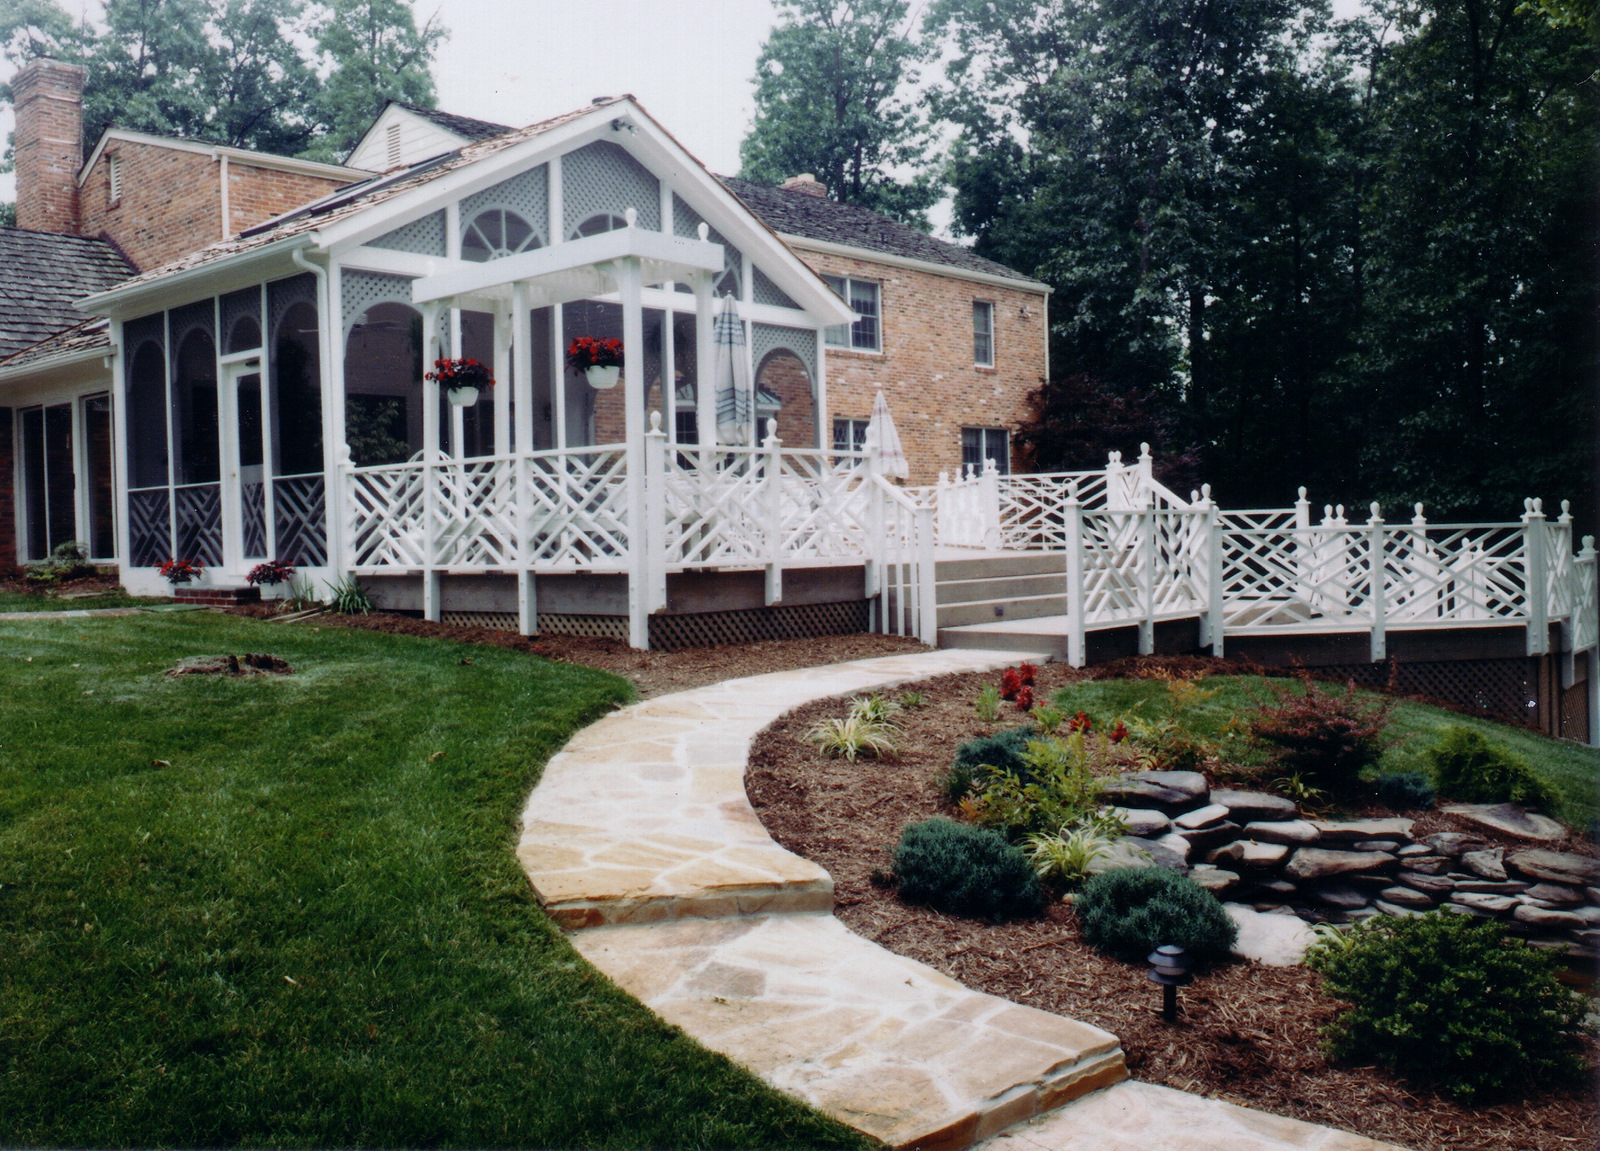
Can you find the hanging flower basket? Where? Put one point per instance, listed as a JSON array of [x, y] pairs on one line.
[[600, 361], [461, 379]]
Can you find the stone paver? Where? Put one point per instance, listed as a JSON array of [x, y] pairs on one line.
[[640, 835], [643, 816], [884, 1043], [1144, 1117]]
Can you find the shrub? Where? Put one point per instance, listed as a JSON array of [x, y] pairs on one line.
[[1449, 999], [965, 871], [1066, 856], [69, 561], [1405, 790], [987, 704], [853, 736], [913, 700], [349, 597], [875, 708], [1002, 750], [1325, 738], [1470, 768], [271, 572], [1130, 911]]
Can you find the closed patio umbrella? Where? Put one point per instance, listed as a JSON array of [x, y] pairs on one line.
[[735, 399], [884, 441]]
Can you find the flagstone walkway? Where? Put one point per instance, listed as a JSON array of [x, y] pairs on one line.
[[640, 840]]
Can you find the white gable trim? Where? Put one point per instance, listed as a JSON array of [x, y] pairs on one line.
[[653, 147]]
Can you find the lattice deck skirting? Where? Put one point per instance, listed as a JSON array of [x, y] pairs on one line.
[[702, 629], [1503, 689]]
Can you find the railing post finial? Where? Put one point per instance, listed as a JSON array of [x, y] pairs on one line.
[[1566, 512], [1419, 520]]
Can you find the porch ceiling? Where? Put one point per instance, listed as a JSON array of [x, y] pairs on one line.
[[574, 270]]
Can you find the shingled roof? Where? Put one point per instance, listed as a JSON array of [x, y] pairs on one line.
[[801, 214], [41, 275], [464, 126]]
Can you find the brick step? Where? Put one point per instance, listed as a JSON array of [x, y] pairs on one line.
[[218, 596]]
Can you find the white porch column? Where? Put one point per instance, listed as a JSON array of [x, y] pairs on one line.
[[629, 285], [502, 383], [431, 608], [119, 449], [522, 380], [705, 354]]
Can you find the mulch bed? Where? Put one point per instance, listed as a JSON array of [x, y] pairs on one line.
[[653, 673], [1248, 1033]]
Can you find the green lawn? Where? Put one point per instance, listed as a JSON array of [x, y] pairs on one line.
[[22, 601], [286, 912], [1222, 716]]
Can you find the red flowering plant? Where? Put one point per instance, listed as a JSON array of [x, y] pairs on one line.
[[271, 572], [1118, 733], [586, 352], [467, 373], [1080, 722], [1028, 673], [1010, 683], [176, 571], [1025, 698]]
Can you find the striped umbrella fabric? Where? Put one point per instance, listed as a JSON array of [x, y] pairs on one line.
[[884, 440], [735, 397]]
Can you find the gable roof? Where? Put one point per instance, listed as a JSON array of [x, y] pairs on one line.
[[86, 341], [813, 217], [795, 213], [42, 274], [464, 126]]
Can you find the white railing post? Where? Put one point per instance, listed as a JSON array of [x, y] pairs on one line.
[[343, 509], [522, 377], [1072, 524], [989, 495], [772, 480], [945, 503], [1215, 575], [1534, 539], [431, 607], [1376, 574], [655, 514], [877, 546], [1586, 628], [1147, 572], [1146, 473], [1304, 548], [927, 584]]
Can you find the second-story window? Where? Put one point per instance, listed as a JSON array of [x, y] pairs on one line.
[[983, 333], [865, 335]]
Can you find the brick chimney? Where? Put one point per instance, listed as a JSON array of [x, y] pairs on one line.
[[48, 147], [806, 184]]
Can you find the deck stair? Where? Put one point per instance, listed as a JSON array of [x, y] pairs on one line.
[[998, 587]]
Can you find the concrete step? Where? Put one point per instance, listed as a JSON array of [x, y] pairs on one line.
[[1001, 588], [977, 638], [991, 611], [1009, 564]]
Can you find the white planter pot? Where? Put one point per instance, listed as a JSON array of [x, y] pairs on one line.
[[601, 378], [463, 397]]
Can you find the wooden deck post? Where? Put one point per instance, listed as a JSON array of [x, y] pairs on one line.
[[927, 583], [431, 607], [1072, 514], [772, 494], [1214, 575], [522, 380], [1536, 566], [1376, 574], [629, 287], [1147, 572], [655, 502]]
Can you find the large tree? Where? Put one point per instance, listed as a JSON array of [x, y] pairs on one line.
[[237, 72], [375, 52], [1356, 255], [834, 97]]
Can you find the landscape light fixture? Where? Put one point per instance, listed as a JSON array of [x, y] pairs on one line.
[[1171, 967]]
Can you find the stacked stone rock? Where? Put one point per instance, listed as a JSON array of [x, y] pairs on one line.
[[1248, 846]]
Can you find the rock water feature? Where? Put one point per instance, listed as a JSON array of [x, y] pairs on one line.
[[1258, 854]]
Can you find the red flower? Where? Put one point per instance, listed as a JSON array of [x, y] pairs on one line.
[[271, 572], [1080, 722], [176, 571], [1118, 733], [1010, 683], [1025, 699], [466, 373], [1028, 672], [586, 352]]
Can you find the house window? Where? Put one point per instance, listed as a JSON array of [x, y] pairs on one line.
[[114, 177], [850, 435], [983, 333], [864, 334], [980, 444]]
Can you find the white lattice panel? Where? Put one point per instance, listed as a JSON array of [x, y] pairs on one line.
[[764, 291], [527, 194], [424, 237], [181, 322], [386, 516], [301, 527], [474, 510], [802, 342], [602, 178], [149, 528], [1112, 566], [576, 508], [285, 294], [197, 520], [686, 222], [359, 291], [238, 306]]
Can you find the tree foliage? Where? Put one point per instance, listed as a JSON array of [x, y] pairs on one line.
[[279, 76], [832, 99], [1353, 254]]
